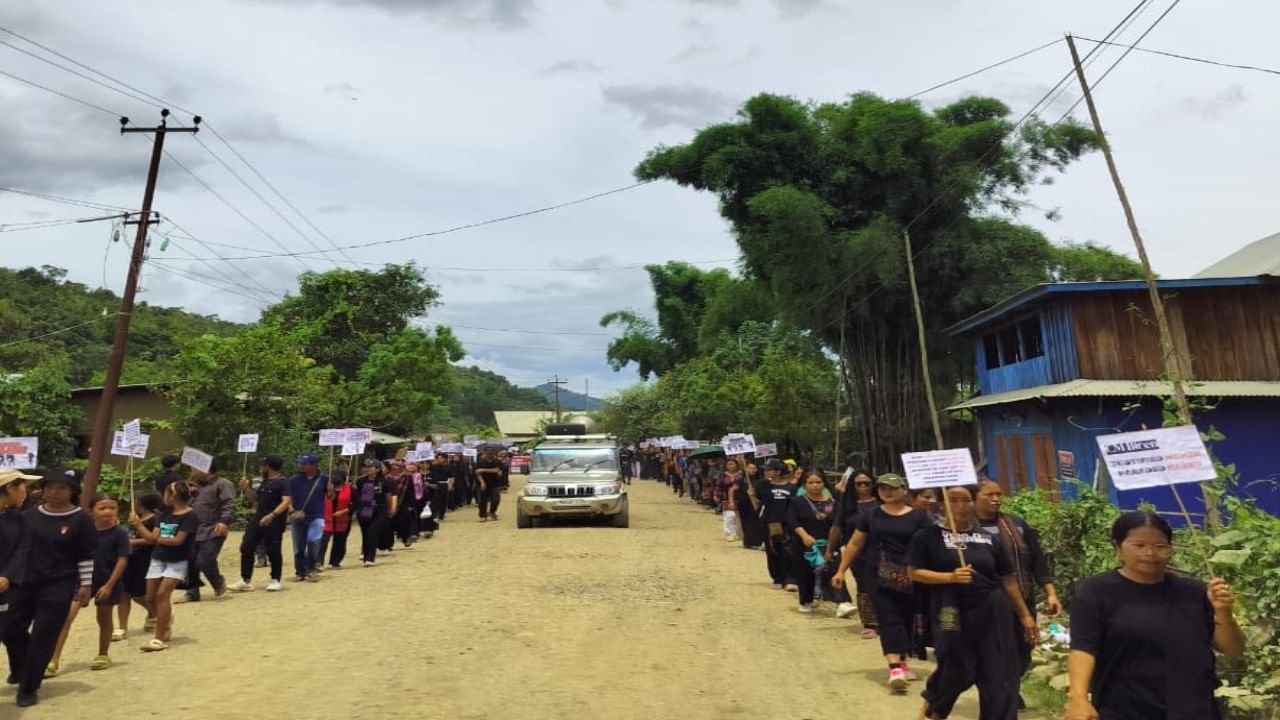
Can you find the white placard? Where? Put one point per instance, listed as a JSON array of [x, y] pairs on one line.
[[360, 435], [764, 450], [132, 431], [247, 443], [424, 447], [139, 449], [470, 440], [739, 444], [197, 459], [451, 448], [332, 436], [19, 453], [1150, 458], [939, 468], [352, 448], [469, 452]]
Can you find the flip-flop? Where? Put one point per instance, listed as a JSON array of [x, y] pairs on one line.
[[118, 635], [102, 662], [156, 645], [51, 670]]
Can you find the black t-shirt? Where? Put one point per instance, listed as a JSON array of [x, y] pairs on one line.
[[815, 516], [11, 560], [934, 548], [113, 544], [1152, 644], [370, 496], [270, 494], [890, 535], [57, 545], [141, 554], [170, 525], [775, 501], [490, 479]]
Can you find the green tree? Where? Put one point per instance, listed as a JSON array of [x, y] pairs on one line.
[[818, 198], [636, 413], [37, 403], [406, 377], [341, 314], [473, 396], [1089, 262]]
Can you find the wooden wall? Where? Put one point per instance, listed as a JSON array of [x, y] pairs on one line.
[[1230, 333]]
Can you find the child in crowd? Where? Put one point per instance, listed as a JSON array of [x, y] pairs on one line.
[[173, 536], [110, 559], [135, 575]]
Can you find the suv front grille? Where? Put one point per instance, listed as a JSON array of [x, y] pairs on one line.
[[570, 491]]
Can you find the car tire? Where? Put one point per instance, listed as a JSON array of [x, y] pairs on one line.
[[623, 518], [523, 521]]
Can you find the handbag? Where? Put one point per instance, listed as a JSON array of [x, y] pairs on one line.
[[297, 516], [426, 512], [892, 575]]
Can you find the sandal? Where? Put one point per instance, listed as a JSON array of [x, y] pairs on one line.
[[51, 670], [118, 635], [102, 662], [156, 645]]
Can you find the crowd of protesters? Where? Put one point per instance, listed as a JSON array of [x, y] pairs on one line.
[[56, 557], [968, 584]]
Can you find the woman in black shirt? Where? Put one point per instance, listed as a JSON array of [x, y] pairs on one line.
[[969, 613], [59, 539], [13, 494], [373, 500], [858, 497], [1142, 638], [886, 532], [812, 514], [748, 512], [775, 496]]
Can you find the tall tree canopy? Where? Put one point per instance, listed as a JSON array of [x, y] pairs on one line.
[[819, 196]]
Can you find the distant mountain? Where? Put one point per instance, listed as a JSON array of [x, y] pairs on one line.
[[570, 400]]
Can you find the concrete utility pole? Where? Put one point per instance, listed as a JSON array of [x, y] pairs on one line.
[[100, 441], [1175, 365], [556, 381]]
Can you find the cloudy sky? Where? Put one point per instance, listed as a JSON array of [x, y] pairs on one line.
[[380, 119]]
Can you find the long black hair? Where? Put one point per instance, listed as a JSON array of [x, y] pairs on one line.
[[1131, 521]]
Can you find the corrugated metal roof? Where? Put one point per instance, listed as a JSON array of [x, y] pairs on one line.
[[1257, 258], [521, 423], [1035, 292], [1126, 388]]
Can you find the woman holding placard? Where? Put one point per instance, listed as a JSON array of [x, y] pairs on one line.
[[971, 582], [1142, 638], [886, 532]]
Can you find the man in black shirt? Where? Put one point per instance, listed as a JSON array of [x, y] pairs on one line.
[[489, 485], [266, 527]]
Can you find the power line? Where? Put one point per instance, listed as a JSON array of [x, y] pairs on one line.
[[1093, 57], [72, 98], [64, 200], [1183, 57], [272, 295], [58, 332], [1121, 59], [981, 70]]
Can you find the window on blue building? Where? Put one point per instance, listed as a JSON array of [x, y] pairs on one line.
[[1014, 343]]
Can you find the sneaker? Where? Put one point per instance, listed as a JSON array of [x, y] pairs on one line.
[[241, 586], [897, 679], [119, 634], [273, 586], [220, 590], [844, 610], [806, 609], [313, 577], [368, 563]]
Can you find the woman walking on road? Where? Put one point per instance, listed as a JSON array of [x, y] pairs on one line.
[[13, 495], [970, 605], [753, 535], [730, 481], [812, 515], [337, 520], [885, 532], [374, 497], [858, 499], [1142, 638], [775, 499]]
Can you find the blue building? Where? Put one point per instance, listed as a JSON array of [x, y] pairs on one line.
[[1060, 364]]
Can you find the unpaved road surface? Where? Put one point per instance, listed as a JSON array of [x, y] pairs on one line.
[[663, 620]]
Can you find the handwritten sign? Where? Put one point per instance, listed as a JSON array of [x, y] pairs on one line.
[[247, 443], [1150, 458], [939, 468], [19, 453], [198, 459], [764, 450], [352, 448], [123, 449], [331, 437], [132, 431]]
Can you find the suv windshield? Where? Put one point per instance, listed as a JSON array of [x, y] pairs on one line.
[[574, 459]]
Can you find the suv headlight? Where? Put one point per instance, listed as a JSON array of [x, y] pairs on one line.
[[610, 489], [533, 490]]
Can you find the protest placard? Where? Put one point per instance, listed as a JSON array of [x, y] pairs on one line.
[[198, 459], [424, 447], [331, 437], [765, 450], [19, 453], [939, 468], [139, 450], [360, 435], [352, 447], [451, 448], [247, 443], [470, 440], [739, 444], [469, 452], [132, 431], [1150, 458]]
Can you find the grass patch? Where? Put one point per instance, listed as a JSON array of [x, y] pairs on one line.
[[1039, 696]]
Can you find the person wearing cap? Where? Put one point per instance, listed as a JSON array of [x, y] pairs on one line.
[[886, 532], [214, 506], [373, 497], [60, 540], [307, 491], [265, 529], [775, 496], [13, 494]]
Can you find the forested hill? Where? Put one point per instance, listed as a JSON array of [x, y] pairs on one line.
[[39, 303]]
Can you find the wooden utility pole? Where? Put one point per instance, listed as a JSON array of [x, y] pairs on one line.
[[556, 381], [100, 441], [1174, 362], [844, 306]]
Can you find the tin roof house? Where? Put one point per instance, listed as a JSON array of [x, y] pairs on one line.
[[1060, 364]]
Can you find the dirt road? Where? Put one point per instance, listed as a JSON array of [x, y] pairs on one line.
[[483, 621]]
